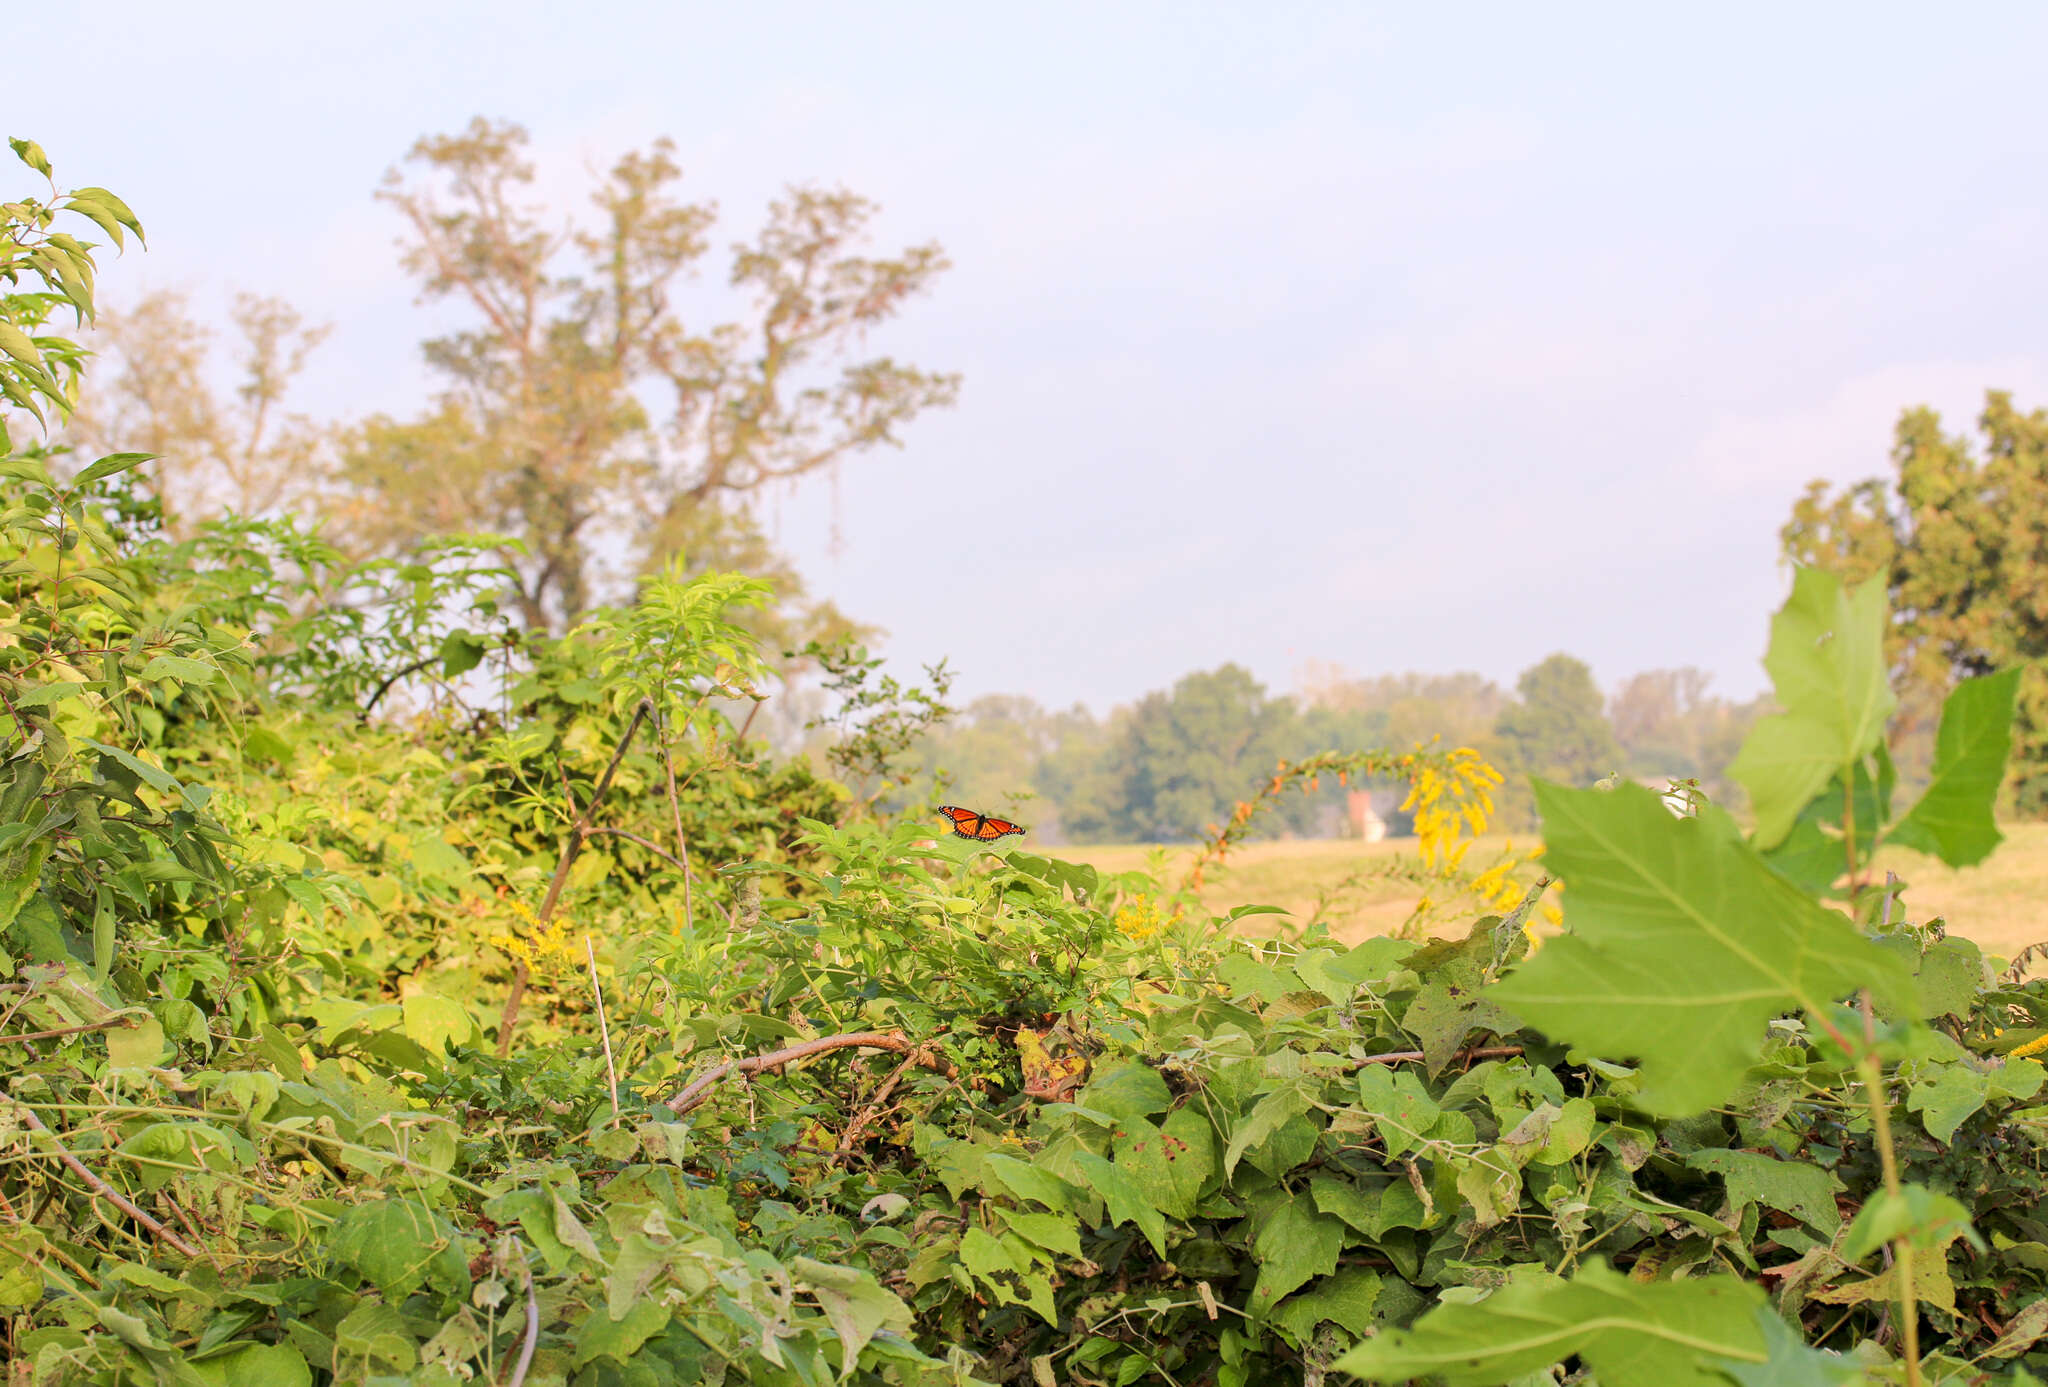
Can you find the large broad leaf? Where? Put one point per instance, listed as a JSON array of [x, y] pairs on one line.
[[1682, 944], [1953, 819], [1827, 665], [1660, 1334]]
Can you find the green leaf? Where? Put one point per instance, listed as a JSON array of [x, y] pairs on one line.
[[177, 667], [1792, 1362], [1659, 1334], [1807, 1192], [1267, 1116], [15, 343], [1025, 1181], [1953, 819], [109, 465], [156, 777], [1682, 945], [460, 653], [398, 1245], [1827, 665], [255, 1365], [1294, 1245], [854, 1303], [437, 1023], [1345, 1299], [31, 153], [137, 1046], [1125, 1200], [1922, 1215], [601, 1336], [1130, 1090]]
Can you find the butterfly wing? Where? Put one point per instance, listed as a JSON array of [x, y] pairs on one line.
[[966, 823]]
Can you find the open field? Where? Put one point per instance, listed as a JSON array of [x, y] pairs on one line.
[[2002, 904]]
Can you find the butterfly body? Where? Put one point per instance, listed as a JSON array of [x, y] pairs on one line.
[[979, 827]]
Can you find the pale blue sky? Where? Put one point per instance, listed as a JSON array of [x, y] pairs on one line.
[[1417, 337]]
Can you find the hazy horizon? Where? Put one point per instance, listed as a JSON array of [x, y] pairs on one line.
[[1406, 341]]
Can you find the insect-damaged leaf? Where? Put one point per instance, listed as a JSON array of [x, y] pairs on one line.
[[1682, 943]]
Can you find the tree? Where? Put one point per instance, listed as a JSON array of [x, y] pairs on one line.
[[1556, 731], [1187, 756], [582, 414], [1669, 726], [1961, 538], [247, 454]]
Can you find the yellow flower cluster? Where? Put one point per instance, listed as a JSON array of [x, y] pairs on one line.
[[1141, 919], [1451, 804], [553, 941]]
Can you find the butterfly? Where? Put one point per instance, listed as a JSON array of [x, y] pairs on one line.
[[980, 827]]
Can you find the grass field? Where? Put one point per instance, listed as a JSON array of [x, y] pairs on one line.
[[2002, 904]]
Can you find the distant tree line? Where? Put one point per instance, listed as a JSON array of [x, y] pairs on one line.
[[1165, 767]]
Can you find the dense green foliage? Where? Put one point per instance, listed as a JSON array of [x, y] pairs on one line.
[[394, 994]]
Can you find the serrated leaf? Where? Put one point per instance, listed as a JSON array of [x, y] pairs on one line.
[[1660, 1334], [1682, 945], [1827, 666], [1953, 819]]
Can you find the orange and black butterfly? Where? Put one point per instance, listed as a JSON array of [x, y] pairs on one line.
[[980, 827]]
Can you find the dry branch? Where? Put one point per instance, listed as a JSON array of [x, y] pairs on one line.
[[105, 1190], [896, 1042]]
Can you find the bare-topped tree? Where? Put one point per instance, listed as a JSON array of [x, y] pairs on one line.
[[583, 413], [247, 452]]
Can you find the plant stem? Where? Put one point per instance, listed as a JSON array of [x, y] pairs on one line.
[[1872, 1074], [604, 1029], [102, 1188], [578, 832]]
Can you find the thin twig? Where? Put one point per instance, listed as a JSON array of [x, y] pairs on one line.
[[1477, 1052], [363, 714], [675, 809], [647, 843], [105, 1190], [896, 1042], [532, 1340], [603, 1028], [874, 1106], [127, 1019], [578, 832]]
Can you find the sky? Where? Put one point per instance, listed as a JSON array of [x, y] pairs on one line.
[[1390, 337]]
